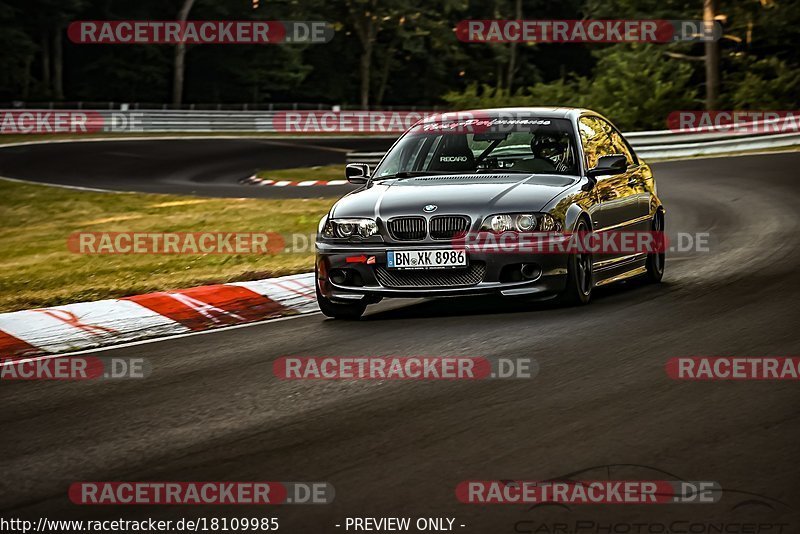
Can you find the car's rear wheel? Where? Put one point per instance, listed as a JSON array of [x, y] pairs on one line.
[[348, 312], [580, 279], [655, 261]]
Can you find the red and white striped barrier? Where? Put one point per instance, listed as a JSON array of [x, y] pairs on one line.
[[254, 180], [108, 322]]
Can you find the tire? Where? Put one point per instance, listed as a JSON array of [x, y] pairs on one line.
[[580, 280], [347, 312], [655, 261]]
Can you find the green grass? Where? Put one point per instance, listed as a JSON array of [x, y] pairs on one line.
[[324, 173], [39, 270]]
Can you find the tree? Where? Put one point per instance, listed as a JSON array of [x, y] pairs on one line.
[[19, 51], [47, 27], [367, 22], [180, 58], [711, 56]]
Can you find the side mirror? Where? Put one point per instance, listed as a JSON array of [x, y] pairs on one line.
[[606, 165], [357, 173]]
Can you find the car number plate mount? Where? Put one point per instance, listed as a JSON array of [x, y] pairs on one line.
[[426, 259]]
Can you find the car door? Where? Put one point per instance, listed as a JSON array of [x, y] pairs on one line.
[[637, 207], [609, 189], [617, 203]]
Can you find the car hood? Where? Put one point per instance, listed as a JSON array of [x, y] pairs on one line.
[[453, 194]]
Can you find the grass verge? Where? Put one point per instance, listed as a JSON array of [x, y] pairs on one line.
[[39, 270], [324, 173]]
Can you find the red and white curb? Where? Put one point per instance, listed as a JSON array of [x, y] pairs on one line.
[[87, 325], [254, 180]]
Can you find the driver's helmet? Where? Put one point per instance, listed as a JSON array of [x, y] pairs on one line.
[[553, 148]]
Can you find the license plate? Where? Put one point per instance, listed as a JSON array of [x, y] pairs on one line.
[[425, 259]]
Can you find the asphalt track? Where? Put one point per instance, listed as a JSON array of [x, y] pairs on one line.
[[208, 167], [212, 410]]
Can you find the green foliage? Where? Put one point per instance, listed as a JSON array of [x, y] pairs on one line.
[[561, 92], [414, 57], [636, 86], [766, 84], [485, 96], [570, 93]]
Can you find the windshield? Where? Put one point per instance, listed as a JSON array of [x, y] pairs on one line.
[[547, 147]]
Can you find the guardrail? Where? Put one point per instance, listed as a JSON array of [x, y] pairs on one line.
[[205, 121], [654, 144], [18, 105]]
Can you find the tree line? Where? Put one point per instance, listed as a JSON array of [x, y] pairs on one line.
[[405, 52]]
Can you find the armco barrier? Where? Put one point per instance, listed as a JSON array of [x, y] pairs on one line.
[[654, 144]]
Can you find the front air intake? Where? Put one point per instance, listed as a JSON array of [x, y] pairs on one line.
[[407, 228], [449, 226]]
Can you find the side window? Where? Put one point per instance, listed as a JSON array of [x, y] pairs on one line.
[[423, 160], [620, 145], [410, 155], [396, 161], [595, 140]]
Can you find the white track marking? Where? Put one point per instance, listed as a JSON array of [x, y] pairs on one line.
[[87, 324], [296, 291], [79, 188], [154, 340]]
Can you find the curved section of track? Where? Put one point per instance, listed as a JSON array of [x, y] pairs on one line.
[[212, 410], [209, 167]]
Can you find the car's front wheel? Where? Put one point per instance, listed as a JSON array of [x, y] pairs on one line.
[[349, 311], [580, 279]]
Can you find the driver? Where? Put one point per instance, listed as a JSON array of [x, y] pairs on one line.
[[553, 149]]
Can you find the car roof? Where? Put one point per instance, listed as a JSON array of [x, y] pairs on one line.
[[572, 114], [546, 112]]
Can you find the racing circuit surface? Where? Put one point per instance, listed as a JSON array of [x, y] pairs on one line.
[[210, 167], [212, 409]]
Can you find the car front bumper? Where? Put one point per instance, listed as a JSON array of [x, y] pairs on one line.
[[364, 263]]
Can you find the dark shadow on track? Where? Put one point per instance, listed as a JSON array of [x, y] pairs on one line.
[[206, 167]]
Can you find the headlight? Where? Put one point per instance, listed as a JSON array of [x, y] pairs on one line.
[[345, 228], [499, 223], [521, 222], [525, 222], [548, 223]]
